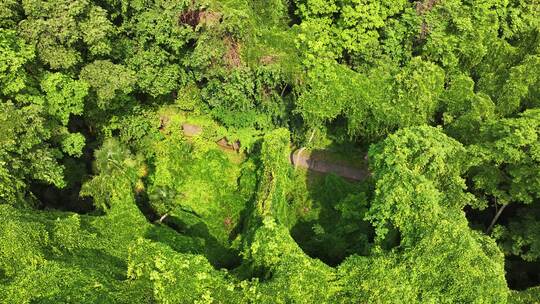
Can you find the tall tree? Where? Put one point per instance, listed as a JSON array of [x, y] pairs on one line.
[[420, 192], [66, 31]]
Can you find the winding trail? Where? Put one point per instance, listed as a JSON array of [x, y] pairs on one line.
[[297, 158], [322, 166]]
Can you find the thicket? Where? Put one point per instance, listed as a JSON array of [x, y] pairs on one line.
[[104, 199]]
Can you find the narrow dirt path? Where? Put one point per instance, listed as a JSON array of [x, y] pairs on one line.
[[319, 165], [303, 160]]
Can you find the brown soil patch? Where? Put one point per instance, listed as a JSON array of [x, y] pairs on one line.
[[191, 130], [268, 59], [190, 17], [232, 55], [320, 165], [163, 122], [209, 18], [424, 31], [194, 17], [225, 143], [425, 6]]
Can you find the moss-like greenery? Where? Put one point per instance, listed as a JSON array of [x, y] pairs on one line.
[[145, 151]]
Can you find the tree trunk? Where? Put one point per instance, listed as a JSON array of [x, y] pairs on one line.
[[497, 215]]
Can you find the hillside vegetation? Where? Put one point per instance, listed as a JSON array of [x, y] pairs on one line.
[[106, 198]]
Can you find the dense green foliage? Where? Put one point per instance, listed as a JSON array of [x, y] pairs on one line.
[[105, 197]]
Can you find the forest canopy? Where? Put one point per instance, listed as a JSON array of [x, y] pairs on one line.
[[269, 151]]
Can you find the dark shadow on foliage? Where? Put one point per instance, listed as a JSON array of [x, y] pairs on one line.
[[184, 244], [66, 199], [143, 203], [217, 254], [325, 229], [521, 274], [77, 170], [245, 215], [294, 19], [481, 219]]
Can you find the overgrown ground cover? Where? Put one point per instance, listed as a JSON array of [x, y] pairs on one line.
[[104, 199]]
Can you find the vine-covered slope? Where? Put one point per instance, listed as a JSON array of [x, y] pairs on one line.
[[113, 189]]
